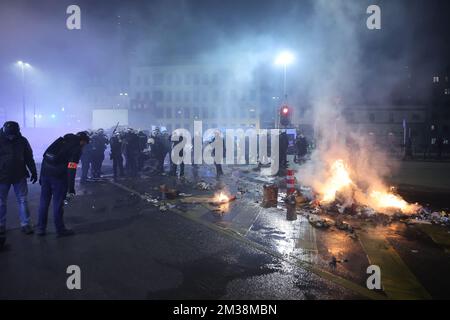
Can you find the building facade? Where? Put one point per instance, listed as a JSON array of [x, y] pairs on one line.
[[174, 96]]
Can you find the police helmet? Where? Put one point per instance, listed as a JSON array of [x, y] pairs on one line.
[[11, 129]]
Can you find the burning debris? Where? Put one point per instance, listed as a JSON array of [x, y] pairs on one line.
[[340, 189], [319, 222], [222, 198], [428, 217]]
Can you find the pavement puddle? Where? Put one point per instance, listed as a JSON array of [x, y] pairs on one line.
[[296, 245], [306, 242]]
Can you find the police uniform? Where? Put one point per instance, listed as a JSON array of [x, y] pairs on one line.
[[116, 155]]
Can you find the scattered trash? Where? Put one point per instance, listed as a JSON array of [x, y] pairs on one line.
[[169, 193], [414, 251], [341, 225], [353, 236], [333, 262], [166, 206], [202, 185], [182, 194], [299, 198], [319, 222]]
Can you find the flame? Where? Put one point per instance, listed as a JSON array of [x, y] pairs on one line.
[[385, 200], [339, 179], [222, 198], [379, 199]]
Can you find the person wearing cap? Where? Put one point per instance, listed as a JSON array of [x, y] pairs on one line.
[[16, 165], [57, 179]]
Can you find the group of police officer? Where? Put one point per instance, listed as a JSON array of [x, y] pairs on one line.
[[60, 162]]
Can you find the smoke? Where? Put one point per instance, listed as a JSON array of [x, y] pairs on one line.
[[341, 24]]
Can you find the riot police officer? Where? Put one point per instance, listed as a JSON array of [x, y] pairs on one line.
[[116, 154], [99, 143]]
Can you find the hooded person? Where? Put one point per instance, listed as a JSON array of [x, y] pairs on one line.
[[16, 165], [57, 180]]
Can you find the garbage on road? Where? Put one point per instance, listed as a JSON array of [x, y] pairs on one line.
[[202, 185], [169, 193], [182, 194], [222, 198], [166, 206], [319, 222]]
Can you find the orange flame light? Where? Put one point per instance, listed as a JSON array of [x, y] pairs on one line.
[[222, 198], [382, 201], [385, 200], [338, 180]]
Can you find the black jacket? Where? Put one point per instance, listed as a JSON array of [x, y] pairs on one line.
[[68, 151], [15, 157]]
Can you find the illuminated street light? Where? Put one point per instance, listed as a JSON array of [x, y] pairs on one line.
[[23, 66], [284, 59]]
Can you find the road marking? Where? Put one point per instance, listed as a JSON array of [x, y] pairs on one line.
[[397, 279], [363, 291]]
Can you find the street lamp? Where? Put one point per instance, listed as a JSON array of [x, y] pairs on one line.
[[23, 66], [284, 59]]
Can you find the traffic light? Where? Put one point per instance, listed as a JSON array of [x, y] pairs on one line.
[[285, 116]]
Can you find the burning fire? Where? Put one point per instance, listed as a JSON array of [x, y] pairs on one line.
[[339, 179], [222, 198], [380, 200], [385, 200]]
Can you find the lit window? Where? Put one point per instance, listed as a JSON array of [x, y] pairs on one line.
[[447, 91], [435, 79]]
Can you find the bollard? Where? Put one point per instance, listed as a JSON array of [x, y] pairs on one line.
[[270, 194], [290, 182], [291, 206]]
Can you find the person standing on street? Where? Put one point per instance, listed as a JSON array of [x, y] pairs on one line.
[[86, 161], [99, 143], [217, 160], [116, 155], [284, 145], [16, 156], [57, 180]]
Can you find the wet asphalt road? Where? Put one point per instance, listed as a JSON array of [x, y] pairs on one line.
[[128, 249]]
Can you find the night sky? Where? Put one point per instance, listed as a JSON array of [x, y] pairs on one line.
[[414, 33]]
